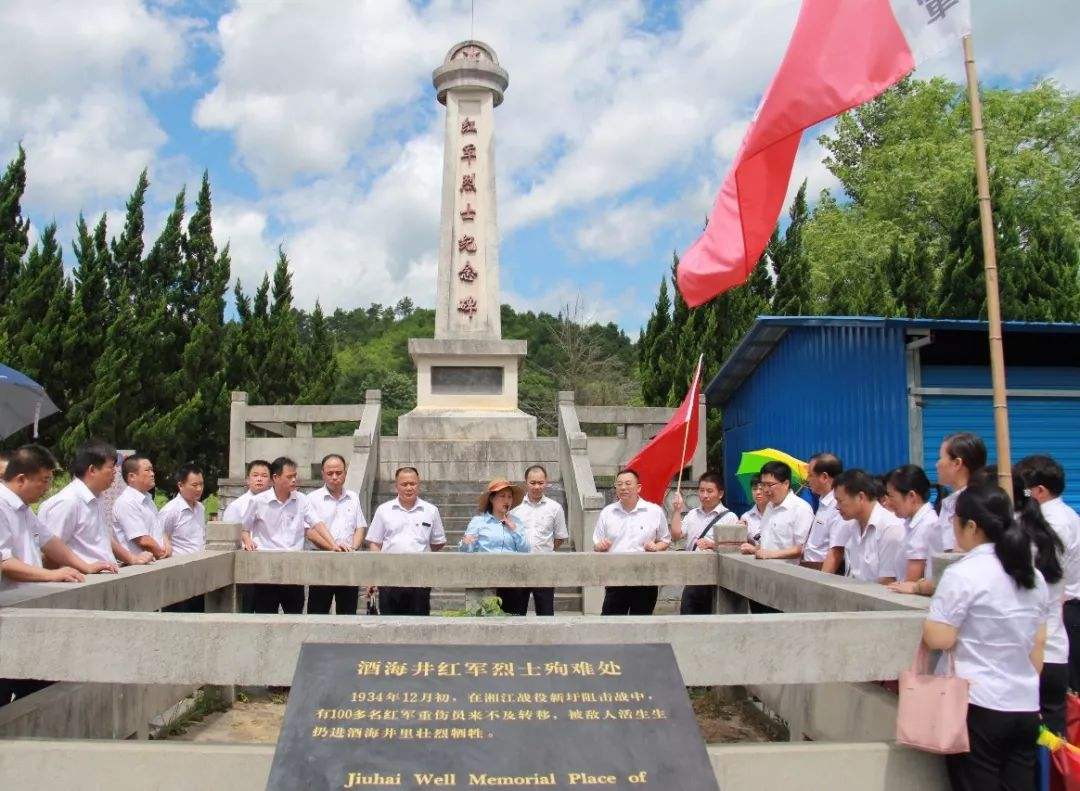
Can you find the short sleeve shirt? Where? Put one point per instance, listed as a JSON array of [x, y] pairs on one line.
[[544, 522], [135, 516], [342, 516], [945, 540], [996, 622], [1066, 524], [74, 516], [753, 519], [788, 524], [406, 530], [185, 525], [630, 531], [234, 511], [877, 551], [828, 530], [277, 526], [694, 521], [21, 534]]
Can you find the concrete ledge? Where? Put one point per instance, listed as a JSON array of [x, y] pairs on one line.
[[450, 569], [134, 589], [833, 712], [167, 648], [178, 766], [790, 588], [811, 766]]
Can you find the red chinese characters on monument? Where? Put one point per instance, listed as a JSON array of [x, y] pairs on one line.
[[468, 183], [467, 244], [468, 214], [468, 126], [467, 306], [468, 153], [467, 274]]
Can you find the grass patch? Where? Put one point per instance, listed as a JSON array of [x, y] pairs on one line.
[[208, 700]]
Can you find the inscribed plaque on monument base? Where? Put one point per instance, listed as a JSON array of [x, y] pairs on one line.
[[582, 717]]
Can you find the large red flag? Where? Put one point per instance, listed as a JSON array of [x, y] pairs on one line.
[[671, 449], [842, 53]]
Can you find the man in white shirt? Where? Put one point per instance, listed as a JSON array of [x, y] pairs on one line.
[[752, 518], [183, 525], [74, 513], [545, 528], [405, 524], [134, 514], [1044, 478], [339, 509], [699, 528], [278, 520], [258, 481], [829, 532], [787, 519], [23, 541], [875, 548], [630, 524]]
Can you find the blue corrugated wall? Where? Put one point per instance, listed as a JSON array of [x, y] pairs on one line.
[[1036, 425], [841, 389]]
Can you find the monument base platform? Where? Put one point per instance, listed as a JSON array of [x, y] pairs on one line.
[[466, 424]]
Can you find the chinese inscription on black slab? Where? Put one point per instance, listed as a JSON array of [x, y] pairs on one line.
[[581, 717]]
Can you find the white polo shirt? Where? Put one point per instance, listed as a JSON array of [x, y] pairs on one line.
[[945, 540], [544, 522], [630, 531], [134, 516], [1066, 524], [996, 622], [828, 530], [753, 518], [694, 521], [342, 516], [399, 529], [276, 526], [185, 525], [21, 534], [786, 525], [877, 551], [74, 516], [919, 539], [234, 511]]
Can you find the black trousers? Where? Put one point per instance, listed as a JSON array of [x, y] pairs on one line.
[[697, 600], [404, 601], [1053, 685], [1071, 616], [630, 600], [290, 598], [194, 604], [515, 601], [320, 596], [1002, 753]]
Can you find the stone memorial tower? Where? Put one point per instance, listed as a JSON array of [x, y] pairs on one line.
[[467, 375]]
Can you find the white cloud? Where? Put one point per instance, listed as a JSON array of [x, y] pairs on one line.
[[76, 104]]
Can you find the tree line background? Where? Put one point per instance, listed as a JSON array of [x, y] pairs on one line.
[[903, 236], [138, 344]]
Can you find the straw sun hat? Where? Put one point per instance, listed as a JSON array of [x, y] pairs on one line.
[[497, 486]]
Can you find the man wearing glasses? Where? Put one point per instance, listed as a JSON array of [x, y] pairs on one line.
[[787, 519]]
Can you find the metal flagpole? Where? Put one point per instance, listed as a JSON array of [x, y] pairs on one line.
[[993, 304], [686, 428]]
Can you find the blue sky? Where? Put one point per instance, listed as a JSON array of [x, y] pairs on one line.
[[319, 127]]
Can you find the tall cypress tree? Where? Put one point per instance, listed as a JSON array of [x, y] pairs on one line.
[[280, 370], [126, 262], [322, 368], [794, 294], [961, 291], [84, 334], [910, 276], [653, 392], [14, 228]]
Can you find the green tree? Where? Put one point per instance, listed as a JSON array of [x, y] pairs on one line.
[[281, 375], [14, 228], [126, 261], [791, 263], [653, 388], [321, 366]]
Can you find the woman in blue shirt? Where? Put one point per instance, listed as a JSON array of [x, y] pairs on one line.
[[495, 529]]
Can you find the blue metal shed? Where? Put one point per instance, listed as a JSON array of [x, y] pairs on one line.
[[883, 392]]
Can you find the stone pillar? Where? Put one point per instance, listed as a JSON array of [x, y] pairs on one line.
[[223, 600], [237, 434]]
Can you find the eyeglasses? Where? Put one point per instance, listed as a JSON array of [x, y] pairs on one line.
[[768, 486]]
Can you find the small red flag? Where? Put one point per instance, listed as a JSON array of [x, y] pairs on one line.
[[672, 449]]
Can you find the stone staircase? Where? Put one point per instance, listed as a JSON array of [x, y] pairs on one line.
[[456, 502]]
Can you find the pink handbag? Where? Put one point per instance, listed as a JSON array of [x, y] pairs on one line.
[[932, 715]]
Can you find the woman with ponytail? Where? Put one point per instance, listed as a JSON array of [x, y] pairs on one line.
[[1050, 558], [991, 609], [908, 490], [959, 457]]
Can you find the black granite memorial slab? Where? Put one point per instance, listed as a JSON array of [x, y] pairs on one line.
[[580, 717]]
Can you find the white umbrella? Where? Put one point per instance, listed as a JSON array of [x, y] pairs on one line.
[[22, 402]]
